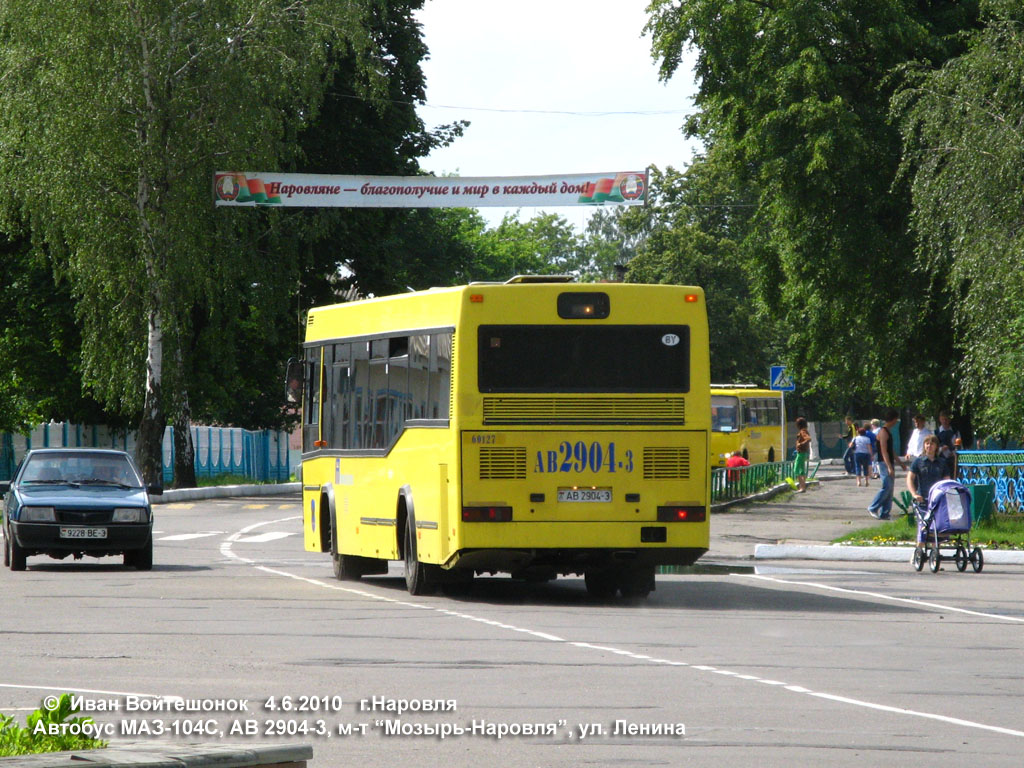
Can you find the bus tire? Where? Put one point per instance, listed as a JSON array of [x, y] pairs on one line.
[[346, 567], [637, 582], [601, 583], [417, 575]]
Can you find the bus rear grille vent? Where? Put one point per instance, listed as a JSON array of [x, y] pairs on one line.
[[584, 410], [502, 463], [666, 463]]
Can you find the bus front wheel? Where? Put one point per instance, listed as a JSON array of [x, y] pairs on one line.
[[417, 575]]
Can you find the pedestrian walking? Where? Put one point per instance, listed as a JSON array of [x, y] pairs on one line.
[[881, 505], [862, 454]]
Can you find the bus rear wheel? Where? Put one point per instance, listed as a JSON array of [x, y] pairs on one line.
[[601, 584], [637, 582], [417, 575]]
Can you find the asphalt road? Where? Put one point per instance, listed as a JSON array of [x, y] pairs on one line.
[[807, 664]]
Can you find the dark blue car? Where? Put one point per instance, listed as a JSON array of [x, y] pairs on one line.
[[77, 501]]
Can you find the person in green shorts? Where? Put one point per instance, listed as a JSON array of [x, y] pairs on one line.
[[803, 452]]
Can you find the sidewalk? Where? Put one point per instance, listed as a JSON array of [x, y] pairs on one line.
[[801, 526]]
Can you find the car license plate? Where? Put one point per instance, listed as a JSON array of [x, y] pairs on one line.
[[598, 495], [83, 533]]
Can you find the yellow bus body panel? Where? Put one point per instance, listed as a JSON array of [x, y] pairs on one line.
[[440, 468]]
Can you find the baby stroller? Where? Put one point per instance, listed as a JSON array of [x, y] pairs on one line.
[[945, 522]]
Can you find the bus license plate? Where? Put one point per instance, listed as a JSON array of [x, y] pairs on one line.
[[83, 533], [599, 495]]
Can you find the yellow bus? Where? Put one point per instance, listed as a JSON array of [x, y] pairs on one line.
[[747, 420], [534, 427]]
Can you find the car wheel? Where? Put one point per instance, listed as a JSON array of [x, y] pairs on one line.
[[140, 559], [17, 556]]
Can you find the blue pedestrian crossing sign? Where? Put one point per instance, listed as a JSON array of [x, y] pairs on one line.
[[780, 380]]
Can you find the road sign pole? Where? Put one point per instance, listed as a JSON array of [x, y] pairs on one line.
[[782, 396]]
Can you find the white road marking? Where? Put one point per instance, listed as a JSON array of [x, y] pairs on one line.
[[259, 538], [65, 689], [226, 550], [881, 596], [188, 536]]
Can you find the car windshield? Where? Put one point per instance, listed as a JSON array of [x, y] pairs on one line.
[[80, 469]]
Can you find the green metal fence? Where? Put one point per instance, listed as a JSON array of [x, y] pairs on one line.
[[740, 482]]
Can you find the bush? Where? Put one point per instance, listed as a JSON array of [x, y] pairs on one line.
[[38, 735]]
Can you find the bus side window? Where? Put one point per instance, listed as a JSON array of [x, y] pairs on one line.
[[419, 376], [341, 397], [311, 417], [440, 375], [362, 408]]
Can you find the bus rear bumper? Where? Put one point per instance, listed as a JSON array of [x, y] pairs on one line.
[[569, 561]]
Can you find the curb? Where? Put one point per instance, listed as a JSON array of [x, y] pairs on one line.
[[838, 552], [143, 755], [224, 491]]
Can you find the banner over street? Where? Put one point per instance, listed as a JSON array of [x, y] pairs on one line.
[[315, 190]]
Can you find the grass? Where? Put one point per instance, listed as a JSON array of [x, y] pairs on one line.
[[48, 729], [208, 481], [997, 532]]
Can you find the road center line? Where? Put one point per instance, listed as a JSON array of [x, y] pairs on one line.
[[226, 550]]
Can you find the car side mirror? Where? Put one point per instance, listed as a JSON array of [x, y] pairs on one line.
[[4, 487], [155, 490]]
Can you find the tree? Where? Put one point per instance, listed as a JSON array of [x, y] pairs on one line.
[[964, 150], [368, 124], [793, 101], [697, 223], [113, 118]]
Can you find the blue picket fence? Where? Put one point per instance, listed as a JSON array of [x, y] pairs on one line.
[[259, 455], [1002, 469], [262, 456]]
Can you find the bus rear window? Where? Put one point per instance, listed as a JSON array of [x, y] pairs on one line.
[[574, 358]]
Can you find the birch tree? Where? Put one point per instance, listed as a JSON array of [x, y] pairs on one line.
[[113, 118]]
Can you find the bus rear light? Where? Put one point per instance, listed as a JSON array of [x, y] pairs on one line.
[[679, 514], [486, 514], [692, 298], [476, 298]]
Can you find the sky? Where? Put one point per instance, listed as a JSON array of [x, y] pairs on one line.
[[562, 86]]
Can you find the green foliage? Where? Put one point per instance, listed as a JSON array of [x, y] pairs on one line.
[[692, 237], [39, 344], [964, 152], [793, 108], [35, 738]]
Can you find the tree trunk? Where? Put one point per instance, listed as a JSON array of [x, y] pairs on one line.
[[149, 448], [184, 450]]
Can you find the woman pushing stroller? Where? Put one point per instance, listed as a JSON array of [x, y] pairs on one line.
[[927, 470], [942, 507]]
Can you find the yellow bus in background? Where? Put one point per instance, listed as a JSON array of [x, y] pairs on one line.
[[747, 420], [535, 427]]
